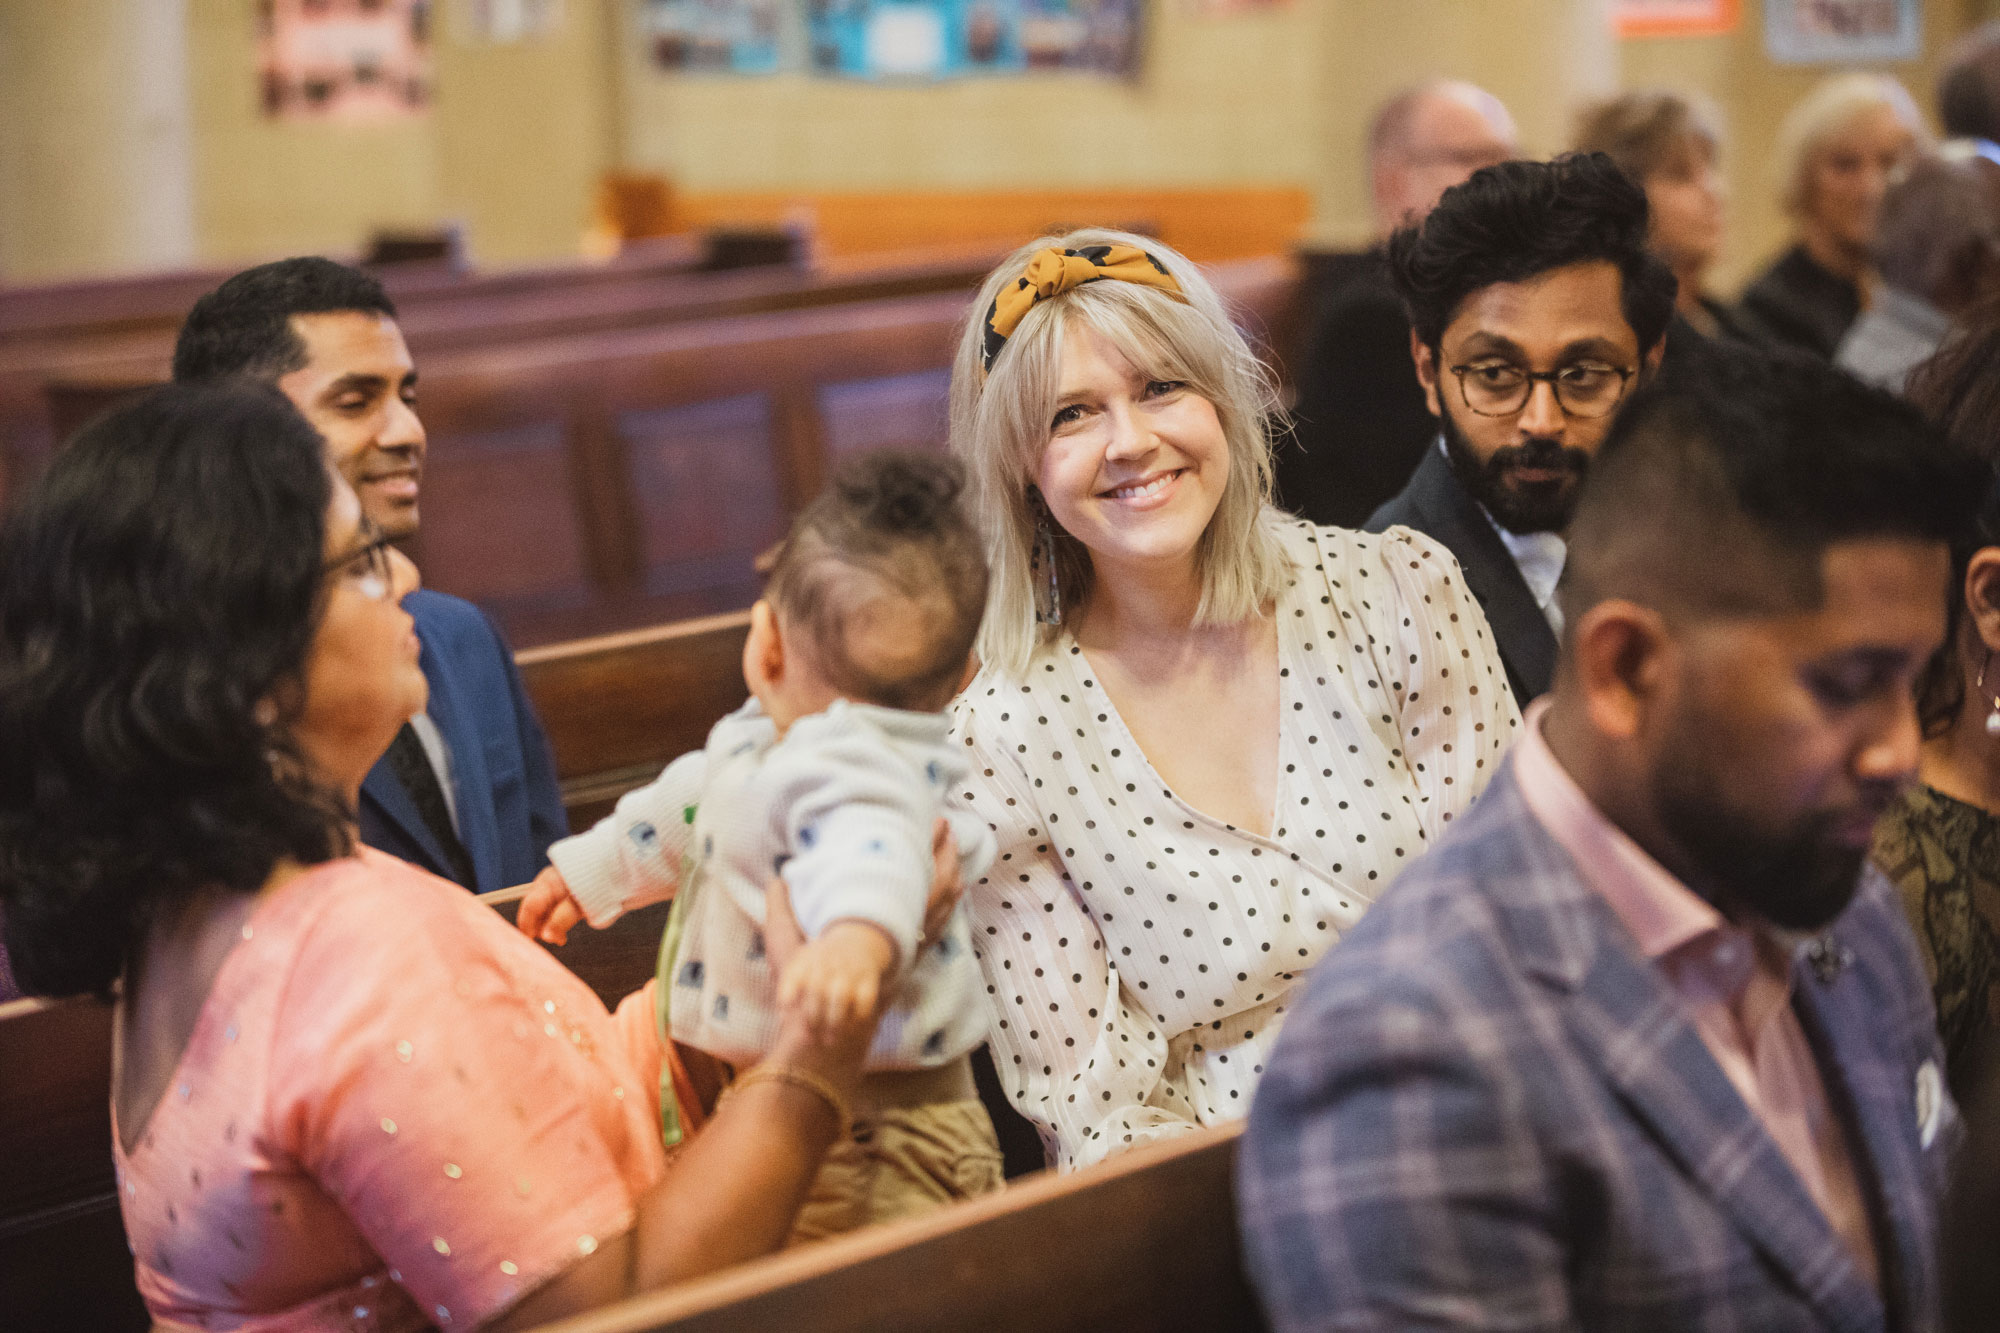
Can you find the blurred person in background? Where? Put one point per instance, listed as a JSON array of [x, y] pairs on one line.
[[1969, 91], [1361, 423], [1837, 152], [1937, 251], [1670, 145], [1940, 842]]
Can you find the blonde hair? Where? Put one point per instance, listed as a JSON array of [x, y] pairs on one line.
[[1000, 425], [1647, 132], [1833, 104]]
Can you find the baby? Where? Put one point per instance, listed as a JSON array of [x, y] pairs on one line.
[[833, 777]]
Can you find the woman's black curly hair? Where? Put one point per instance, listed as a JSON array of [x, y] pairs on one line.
[[159, 581]]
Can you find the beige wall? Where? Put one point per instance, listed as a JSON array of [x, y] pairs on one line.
[[96, 135], [265, 188], [94, 138], [1218, 101], [1540, 57]]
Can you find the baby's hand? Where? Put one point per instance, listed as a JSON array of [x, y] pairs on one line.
[[548, 910], [837, 979]]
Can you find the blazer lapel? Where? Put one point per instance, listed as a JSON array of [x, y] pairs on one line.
[[1877, 1102], [1627, 1021], [396, 807], [478, 831], [1527, 644]]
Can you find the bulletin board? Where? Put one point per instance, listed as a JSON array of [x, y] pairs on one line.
[[349, 61], [1675, 18]]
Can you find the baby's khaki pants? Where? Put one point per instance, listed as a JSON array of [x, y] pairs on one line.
[[920, 1139]]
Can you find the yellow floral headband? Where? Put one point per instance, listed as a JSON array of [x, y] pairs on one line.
[[1051, 272]]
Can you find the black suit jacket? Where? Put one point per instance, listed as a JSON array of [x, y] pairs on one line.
[[1361, 423], [1436, 505]]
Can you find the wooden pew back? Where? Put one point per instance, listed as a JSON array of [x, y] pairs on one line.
[[1145, 1241], [63, 1261], [617, 709]]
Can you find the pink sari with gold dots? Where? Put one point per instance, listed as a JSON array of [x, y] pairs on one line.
[[395, 1112]]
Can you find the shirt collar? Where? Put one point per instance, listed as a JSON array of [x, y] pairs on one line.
[[1661, 913]]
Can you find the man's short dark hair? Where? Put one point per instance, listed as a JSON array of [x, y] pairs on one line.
[[1718, 493], [244, 326], [1516, 220], [891, 522]]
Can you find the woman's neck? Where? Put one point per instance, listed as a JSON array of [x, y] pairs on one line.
[[1964, 763], [1135, 605], [1846, 262]]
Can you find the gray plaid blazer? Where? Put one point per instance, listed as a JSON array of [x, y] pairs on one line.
[[1487, 1112]]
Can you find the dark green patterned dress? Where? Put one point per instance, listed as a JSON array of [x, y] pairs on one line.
[[1944, 857]]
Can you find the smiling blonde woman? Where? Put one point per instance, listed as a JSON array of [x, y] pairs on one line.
[[1207, 735]]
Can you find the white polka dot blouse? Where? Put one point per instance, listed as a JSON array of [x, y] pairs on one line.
[[1137, 953]]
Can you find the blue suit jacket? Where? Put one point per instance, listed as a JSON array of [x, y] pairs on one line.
[[509, 805], [1487, 1112]]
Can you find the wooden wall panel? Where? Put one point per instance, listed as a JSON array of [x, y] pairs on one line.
[[499, 519], [894, 412], [706, 491]]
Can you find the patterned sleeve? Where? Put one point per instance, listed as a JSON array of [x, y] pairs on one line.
[[856, 828], [632, 856], [462, 1101], [1388, 1180], [1457, 715], [1089, 1069]]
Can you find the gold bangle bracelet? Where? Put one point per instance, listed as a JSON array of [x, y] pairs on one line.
[[802, 1079]]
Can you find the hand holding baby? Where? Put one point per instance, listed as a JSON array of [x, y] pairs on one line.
[[839, 978]]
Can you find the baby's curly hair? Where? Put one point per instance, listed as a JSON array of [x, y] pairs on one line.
[[891, 524]]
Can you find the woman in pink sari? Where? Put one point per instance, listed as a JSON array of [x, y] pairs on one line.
[[345, 1094]]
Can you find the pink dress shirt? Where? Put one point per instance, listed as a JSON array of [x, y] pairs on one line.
[[1734, 982], [395, 1112]]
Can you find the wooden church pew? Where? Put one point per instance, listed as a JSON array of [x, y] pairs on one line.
[[1146, 1241], [51, 385], [63, 1260], [618, 708]]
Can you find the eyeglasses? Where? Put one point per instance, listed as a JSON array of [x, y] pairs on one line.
[[1587, 389], [376, 576]]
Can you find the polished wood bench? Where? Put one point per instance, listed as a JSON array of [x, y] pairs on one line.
[[1146, 1241]]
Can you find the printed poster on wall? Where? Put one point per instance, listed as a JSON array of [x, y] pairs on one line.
[[1674, 18], [1841, 32], [506, 22], [716, 36], [348, 61], [1209, 9], [931, 39]]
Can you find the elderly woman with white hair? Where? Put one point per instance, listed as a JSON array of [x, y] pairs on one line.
[[1207, 735], [1837, 152]]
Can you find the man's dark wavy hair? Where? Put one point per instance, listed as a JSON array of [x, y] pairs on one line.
[[161, 580], [244, 327], [1516, 220]]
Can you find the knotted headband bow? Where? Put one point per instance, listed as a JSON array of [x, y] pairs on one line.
[[1051, 272]]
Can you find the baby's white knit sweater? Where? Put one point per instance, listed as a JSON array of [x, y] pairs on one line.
[[842, 807]]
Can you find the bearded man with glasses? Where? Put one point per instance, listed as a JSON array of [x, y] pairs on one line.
[[1535, 306]]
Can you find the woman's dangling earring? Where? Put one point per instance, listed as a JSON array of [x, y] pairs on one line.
[[1042, 565], [1993, 714]]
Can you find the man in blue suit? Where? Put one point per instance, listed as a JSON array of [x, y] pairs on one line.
[[468, 789], [1642, 1043]]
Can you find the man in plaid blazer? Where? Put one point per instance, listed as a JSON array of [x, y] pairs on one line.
[[1640, 1044]]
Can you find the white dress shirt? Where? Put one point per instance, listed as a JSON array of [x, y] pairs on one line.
[[1539, 556]]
